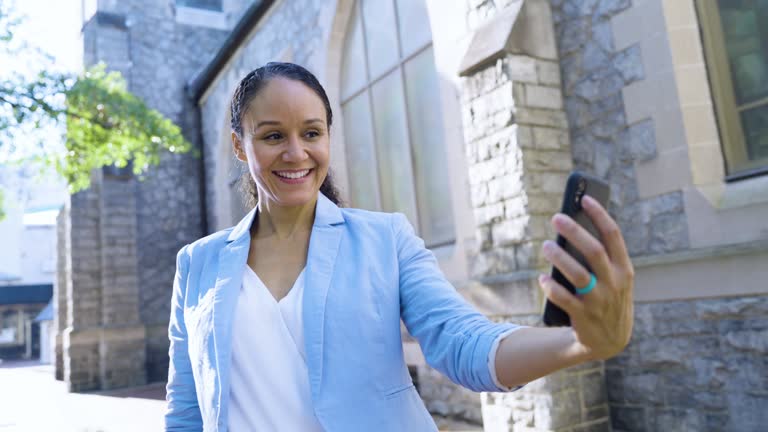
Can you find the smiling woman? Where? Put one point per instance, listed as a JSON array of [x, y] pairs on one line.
[[291, 319]]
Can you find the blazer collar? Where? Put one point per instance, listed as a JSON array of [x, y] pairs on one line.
[[326, 213]]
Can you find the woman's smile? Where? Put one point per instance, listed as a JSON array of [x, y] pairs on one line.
[[293, 176]]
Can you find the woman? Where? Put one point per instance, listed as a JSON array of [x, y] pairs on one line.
[[290, 320]]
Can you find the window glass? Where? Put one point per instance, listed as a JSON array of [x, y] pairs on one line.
[[414, 25], [393, 129], [353, 76], [393, 147], [744, 33], [380, 36], [213, 5], [360, 153], [430, 161]]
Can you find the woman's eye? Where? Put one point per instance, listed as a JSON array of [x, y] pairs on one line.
[[313, 134], [272, 137]]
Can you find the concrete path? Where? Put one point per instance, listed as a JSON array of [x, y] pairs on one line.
[[31, 400]]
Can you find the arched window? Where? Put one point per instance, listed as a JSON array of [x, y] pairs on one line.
[[393, 125]]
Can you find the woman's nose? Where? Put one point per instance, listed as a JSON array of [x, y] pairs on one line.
[[295, 151]]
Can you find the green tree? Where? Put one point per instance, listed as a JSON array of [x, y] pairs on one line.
[[104, 123]]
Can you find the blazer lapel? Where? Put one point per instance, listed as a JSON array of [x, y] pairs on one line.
[[232, 260], [321, 257]]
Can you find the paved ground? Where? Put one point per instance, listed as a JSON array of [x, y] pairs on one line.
[[31, 400]]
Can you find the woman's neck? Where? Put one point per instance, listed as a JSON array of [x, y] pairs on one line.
[[283, 222]]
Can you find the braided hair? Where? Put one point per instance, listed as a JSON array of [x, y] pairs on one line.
[[248, 88]]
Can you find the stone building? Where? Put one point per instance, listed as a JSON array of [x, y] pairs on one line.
[[488, 104]]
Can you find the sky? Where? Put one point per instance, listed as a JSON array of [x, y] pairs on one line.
[[53, 26]]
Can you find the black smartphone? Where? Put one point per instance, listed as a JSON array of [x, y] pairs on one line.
[[578, 185]]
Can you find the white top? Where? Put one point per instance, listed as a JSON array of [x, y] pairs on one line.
[[270, 383]]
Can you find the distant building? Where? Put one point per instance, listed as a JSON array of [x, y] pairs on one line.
[[467, 116], [27, 260]]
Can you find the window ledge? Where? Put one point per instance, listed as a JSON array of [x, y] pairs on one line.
[[201, 18], [733, 195]]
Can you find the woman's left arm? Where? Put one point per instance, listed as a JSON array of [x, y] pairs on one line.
[[601, 320]]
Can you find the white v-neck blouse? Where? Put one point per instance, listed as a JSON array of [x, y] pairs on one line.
[[270, 388]]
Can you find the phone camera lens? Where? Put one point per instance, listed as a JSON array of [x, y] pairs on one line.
[[582, 186]]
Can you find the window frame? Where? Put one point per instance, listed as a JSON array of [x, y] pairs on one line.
[[733, 142]]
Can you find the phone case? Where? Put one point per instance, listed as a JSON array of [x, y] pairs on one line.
[[578, 185]]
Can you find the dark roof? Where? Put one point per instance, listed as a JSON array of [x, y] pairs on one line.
[[46, 314], [24, 294], [199, 82]]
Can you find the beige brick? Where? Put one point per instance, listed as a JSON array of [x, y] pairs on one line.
[[522, 136], [544, 203], [547, 161], [541, 117], [549, 138], [692, 85], [510, 231], [489, 213], [512, 186], [686, 46], [548, 73], [537, 96], [515, 207], [540, 228], [521, 68]]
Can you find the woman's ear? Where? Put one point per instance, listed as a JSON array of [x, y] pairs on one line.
[[237, 147]]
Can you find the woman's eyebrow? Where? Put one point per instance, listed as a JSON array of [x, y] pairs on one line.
[[277, 123], [267, 123]]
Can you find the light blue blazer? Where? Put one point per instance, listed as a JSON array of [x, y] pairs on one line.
[[365, 271]]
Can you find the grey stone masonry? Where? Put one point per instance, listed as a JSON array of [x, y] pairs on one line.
[[602, 142], [693, 365], [519, 156], [103, 343]]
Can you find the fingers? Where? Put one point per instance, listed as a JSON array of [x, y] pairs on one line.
[[568, 266], [586, 243], [560, 296], [609, 231]]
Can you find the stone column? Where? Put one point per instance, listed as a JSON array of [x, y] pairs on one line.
[[519, 157], [104, 341]]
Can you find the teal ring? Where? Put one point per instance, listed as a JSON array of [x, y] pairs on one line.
[[588, 288]]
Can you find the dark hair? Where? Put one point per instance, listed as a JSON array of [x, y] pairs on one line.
[[248, 88]]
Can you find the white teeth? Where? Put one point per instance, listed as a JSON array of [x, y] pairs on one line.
[[292, 175]]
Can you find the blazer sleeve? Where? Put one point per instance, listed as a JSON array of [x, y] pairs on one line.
[[183, 412], [455, 338]]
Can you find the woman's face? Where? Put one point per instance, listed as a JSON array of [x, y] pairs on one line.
[[285, 142]]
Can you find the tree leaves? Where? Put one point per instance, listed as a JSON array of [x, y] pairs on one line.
[[105, 124]]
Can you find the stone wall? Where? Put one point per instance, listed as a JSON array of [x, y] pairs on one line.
[[519, 156], [603, 143], [693, 365]]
